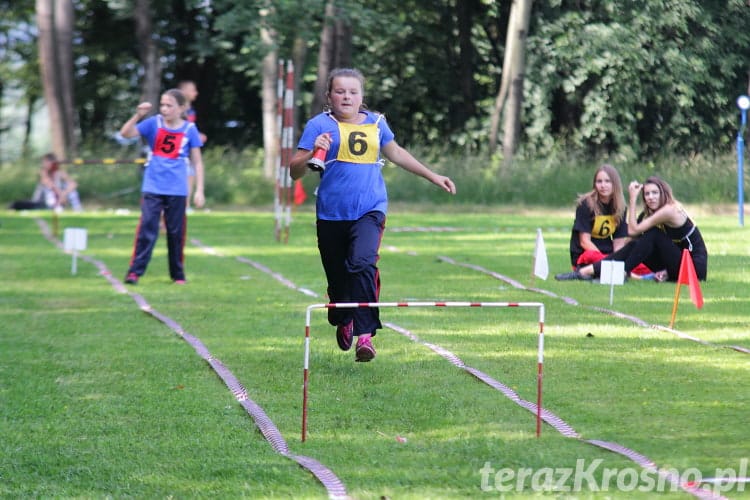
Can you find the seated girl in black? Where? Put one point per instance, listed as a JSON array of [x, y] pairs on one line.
[[660, 234]]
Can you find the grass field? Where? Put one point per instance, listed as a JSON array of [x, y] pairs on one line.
[[99, 399]]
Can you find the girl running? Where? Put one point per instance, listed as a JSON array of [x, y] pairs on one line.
[[352, 201]]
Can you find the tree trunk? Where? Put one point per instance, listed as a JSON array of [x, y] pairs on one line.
[[505, 80], [342, 57], [148, 52], [325, 56], [271, 134], [299, 57], [335, 52], [55, 22], [28, 122], [515, 91], [3, 128], [64, 20]]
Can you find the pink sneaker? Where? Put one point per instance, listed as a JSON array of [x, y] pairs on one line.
[[180, 282], [365, 350], [344, 335], [131, 279]]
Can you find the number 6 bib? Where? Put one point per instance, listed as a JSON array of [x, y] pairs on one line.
[[604, 226], [360, 142]]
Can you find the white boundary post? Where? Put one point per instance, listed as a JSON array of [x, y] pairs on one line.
[[277, 195], [287, 138], [351, 305], [74, 240]]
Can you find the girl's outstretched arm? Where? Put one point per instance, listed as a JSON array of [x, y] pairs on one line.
[[405, 160]]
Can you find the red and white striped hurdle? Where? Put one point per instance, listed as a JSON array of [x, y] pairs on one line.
[[285, 129], [351, 305]]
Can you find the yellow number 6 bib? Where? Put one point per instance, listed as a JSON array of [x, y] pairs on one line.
[[604, 226], [360, 142]]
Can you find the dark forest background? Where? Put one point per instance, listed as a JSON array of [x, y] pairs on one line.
[[636, 78]]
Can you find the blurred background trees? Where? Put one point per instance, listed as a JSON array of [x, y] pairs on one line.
[[634, 78]]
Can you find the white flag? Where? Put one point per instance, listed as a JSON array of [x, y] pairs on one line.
[[541, 266]]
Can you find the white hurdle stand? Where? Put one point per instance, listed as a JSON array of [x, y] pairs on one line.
[[351, 305]]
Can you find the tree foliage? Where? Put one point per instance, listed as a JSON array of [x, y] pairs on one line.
[[636, 78], [20, 84]]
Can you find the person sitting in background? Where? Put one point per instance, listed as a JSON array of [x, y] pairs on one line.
[[661, 233], [56, 188], [599, 227]]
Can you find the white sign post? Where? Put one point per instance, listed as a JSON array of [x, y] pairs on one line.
[[74, 240], [612, 273]]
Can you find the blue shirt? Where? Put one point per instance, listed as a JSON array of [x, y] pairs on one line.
[[352, 183], [166, 170]]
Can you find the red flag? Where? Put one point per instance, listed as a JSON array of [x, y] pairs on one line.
[[299, 193], [688, 277]]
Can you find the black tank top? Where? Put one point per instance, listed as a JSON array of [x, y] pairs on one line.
[[687, 236]]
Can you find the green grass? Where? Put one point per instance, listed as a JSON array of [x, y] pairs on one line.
[[98, 399]]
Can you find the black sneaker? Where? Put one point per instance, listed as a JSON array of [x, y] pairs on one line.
[[131, 279], [344, 335], [573, 275]]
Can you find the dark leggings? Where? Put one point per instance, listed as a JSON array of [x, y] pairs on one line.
[[657, 251], [349, 253], [152, 207]]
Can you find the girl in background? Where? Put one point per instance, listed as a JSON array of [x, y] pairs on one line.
[[56, 187], [599, 227], [172, 142], [661, 232], [190, 91]]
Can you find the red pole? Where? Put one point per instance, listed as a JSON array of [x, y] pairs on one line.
[[287, 139], [280, 130]]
